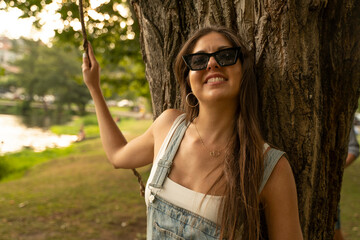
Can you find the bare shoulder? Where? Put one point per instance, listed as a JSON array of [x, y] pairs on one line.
[[281, 180], [170, 113], [164, 122], [283, 168], [167, 117]]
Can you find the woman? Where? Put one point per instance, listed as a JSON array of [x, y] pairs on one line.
[[213, 176]]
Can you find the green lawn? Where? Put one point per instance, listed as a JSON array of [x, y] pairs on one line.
[[76, 197], [72, 193], [128, 125], [350, 202]]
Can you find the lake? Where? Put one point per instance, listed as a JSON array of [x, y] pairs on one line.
[[14, 135]]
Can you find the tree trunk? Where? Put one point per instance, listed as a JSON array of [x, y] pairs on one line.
[[307, 61]]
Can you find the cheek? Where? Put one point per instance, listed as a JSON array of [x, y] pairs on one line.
[[238, 74], [193, 77]]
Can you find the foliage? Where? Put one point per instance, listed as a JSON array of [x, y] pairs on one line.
[[6, 82], [51, 71], [113, 33]]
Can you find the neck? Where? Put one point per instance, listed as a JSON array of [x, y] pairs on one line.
[[216, 124]]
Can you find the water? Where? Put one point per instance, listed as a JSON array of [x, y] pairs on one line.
[[37, 117], [14, 136]]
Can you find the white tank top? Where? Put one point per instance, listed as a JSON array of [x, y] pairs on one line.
[[207, 206]]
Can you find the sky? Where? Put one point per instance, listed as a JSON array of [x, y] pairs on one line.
[[16, 27]]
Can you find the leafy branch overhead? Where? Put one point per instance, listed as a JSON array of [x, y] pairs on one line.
[[111, 27]]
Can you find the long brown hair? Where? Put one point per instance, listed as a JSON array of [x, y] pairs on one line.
[[243, 167]]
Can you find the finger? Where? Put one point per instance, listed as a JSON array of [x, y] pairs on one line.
[[85, 57], [91, 53], [85, 61]]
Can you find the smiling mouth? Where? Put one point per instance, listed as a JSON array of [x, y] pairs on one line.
[[215, 80]]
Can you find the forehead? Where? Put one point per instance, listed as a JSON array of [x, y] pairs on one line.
[[211, 42]]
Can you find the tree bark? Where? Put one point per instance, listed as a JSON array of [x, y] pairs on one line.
[[307, 61]]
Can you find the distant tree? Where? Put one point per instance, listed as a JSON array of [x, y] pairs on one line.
[[44, 71]]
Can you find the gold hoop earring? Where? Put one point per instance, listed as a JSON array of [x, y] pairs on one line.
[[187, 100]]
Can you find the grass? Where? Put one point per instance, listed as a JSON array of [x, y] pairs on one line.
[[350, 202], [129, 126], [74, 194], [89, 122], [16, 164], [74, 197]]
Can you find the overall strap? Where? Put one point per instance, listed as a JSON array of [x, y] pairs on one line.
[[164, 164], [270, 161]]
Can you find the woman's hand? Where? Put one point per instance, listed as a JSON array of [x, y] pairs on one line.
[[91, 70]]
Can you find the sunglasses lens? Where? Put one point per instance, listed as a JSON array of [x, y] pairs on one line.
[[226, 57], [198, 62]]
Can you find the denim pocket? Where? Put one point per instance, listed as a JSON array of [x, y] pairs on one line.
[[164, 234]]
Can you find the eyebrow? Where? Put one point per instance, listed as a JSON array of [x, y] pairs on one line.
[[218, 49]]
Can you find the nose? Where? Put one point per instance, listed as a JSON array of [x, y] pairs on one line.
[[212, 63]]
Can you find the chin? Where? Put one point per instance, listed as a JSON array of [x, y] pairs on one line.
[[221, 96]]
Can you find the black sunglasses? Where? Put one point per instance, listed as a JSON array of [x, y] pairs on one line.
[[224, 57]]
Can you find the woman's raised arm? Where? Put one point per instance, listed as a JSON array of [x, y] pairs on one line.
[[121, 154]]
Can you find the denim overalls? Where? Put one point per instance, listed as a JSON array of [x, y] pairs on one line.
[[166, 221]]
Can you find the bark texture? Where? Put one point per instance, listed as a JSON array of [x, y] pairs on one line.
[[307, 60]]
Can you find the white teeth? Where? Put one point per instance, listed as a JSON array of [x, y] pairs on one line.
[[216, 79]]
